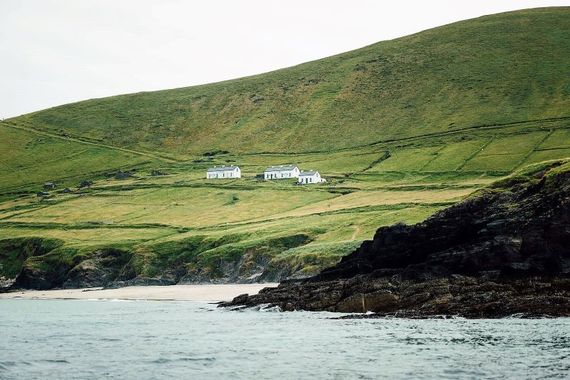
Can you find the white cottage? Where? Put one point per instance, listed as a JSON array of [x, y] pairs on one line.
[[310, 176], [281, 172], [222, 172]]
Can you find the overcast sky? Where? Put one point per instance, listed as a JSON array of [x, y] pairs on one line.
[[59, 51]]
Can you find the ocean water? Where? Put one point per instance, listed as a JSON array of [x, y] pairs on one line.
[[71, 339]]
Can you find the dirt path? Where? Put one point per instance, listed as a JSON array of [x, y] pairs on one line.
[[356, 232]]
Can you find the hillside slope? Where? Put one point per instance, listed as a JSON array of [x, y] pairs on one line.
[[503, 68], [436, 116]]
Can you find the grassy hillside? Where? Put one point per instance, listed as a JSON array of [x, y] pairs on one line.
[[503, 68], [400, 129]]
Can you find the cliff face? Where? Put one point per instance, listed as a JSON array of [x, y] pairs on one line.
[[503, 251], [515, 230], [39, 263]]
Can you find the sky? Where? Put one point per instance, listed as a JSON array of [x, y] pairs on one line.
[[54, 52]]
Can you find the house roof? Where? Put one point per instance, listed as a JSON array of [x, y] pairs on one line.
[[222, 168], [308, 173], [281, 168]]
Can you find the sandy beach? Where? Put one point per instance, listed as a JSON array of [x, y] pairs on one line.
[[209, 293]]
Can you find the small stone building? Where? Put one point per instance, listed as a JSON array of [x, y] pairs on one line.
[[309, 177], [223, 172], [281, 172]]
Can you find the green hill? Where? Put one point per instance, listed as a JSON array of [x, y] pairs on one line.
[[504, 68], [400, 129]]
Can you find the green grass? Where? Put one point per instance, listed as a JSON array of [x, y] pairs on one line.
[[499, 162], [400, 129], [413, 159], [557, 140], [545, 155], [27, 158], [453, 156], [520, 144], [189, 207]]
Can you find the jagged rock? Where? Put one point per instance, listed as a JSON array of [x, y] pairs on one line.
[[157, 173], [85, 183], [123, 175], [6, 283], [503, 251], [39, 277], [101, 268], [44, 268]]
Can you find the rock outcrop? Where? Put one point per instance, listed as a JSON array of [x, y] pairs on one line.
[[503, 251], [103, 267], [41, 264], [100, 268]]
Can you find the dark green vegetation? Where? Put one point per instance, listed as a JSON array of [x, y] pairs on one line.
[[14, 252], [400, 129]]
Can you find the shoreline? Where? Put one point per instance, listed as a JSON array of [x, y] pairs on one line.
[[203, 293]]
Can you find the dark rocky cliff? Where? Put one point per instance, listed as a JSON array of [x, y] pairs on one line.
[[503, 251]]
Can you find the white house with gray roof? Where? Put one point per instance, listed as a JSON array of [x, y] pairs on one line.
[[223, 172], [281, 172], [310, 176]]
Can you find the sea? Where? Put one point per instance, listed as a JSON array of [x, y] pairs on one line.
[[96, 339]]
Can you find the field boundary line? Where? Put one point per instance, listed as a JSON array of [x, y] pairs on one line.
[[531, 151], [476, 153]]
